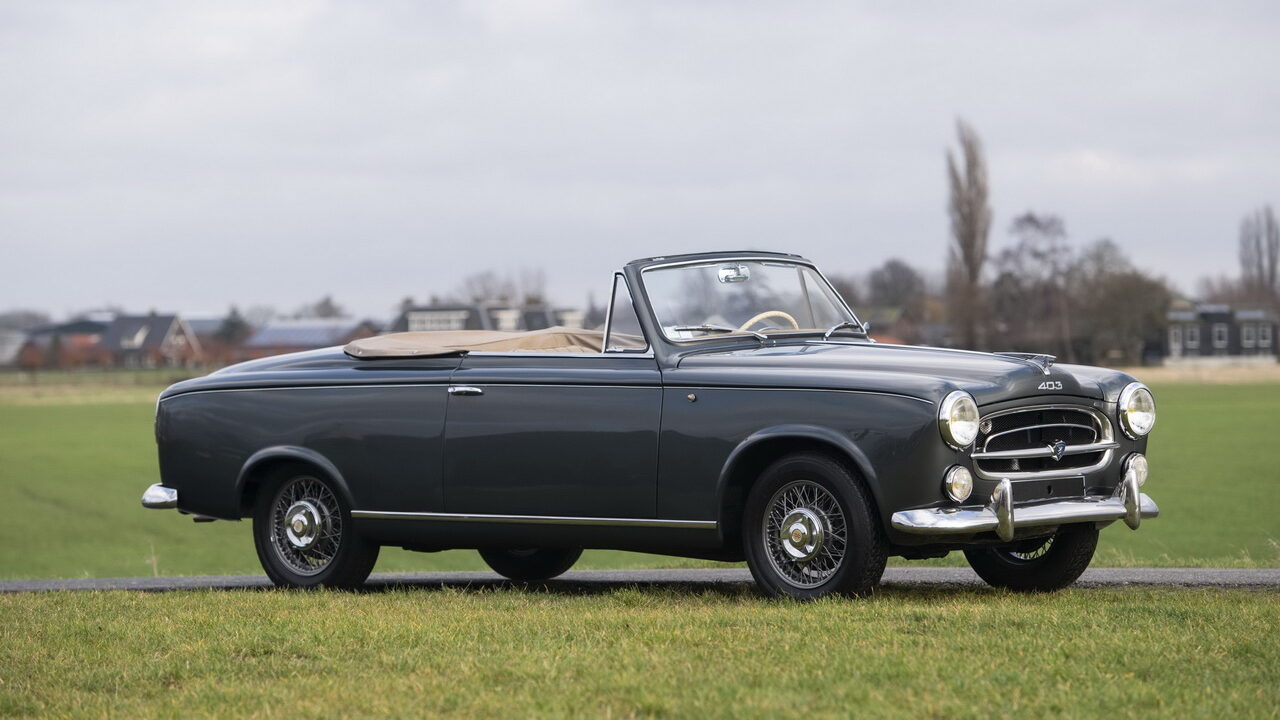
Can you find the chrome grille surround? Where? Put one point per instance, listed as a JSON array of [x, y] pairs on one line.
[[1088, 434]]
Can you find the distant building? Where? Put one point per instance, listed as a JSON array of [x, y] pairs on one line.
[[11, 342], [284, 336], [214, 347], [1218, 331], [483, 317], [71, 344], [148, 341]]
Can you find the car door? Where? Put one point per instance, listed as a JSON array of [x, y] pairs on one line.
[[553, 435]]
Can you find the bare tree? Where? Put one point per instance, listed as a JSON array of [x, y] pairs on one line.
[[847, 286], [325, 307], [970, 228], [487, 287], [531, 284], [1120, 310], [897, 284], [1044, 253], [234, 328], [22, 319], [259, 315], [1260, 256]]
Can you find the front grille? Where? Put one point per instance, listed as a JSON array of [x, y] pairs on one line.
[[1042, 441]]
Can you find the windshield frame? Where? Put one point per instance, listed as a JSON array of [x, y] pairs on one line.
[[860, 331]]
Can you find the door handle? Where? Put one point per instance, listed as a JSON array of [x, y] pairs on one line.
[[464, 390]]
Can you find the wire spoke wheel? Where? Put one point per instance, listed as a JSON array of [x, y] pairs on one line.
[[805, 533], [305, 525]]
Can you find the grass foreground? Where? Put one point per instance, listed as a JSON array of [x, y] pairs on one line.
[[641, 652]]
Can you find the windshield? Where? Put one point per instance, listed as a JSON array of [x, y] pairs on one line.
[[742, 296]]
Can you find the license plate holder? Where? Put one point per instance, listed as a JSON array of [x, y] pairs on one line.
[[1052, 489]]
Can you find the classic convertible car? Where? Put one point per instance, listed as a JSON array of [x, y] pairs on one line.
[[732, 407]]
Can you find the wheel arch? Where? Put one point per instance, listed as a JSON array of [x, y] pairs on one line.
[[760, 449], [262, 463]]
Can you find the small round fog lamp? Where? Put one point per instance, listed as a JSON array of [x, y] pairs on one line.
[[958, 483], [1137, 464]]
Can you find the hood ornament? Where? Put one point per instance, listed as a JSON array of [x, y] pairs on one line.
[[1040, 361]]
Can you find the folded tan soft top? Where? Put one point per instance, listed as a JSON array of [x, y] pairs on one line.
[[460, 342]]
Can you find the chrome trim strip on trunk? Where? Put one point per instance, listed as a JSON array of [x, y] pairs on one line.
[[535, 519]]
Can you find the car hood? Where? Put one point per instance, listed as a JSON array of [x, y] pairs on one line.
[[923, 372]]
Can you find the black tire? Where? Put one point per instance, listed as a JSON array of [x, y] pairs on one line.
[[335, 555], [1041, 565], [837, 503], [531, 565]]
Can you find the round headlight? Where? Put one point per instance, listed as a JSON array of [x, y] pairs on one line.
[[1137, 464], [1137, 410], [958, 419], [958, 483]]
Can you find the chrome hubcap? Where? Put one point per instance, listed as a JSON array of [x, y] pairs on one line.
[[804, 533], [306, 527], [303, 525]]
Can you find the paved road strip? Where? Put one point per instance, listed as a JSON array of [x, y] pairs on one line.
[[604, 579]]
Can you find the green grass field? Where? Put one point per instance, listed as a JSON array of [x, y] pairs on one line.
[[75, 458], [641, 652]]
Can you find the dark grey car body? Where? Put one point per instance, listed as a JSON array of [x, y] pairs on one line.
[[649, 451]]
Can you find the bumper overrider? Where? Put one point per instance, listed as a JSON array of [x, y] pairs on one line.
[[1127, 503], [159, 497]]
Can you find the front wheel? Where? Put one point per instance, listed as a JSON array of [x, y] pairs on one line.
[[1040, 565], [809, 530], [532, 564], [304, 536]]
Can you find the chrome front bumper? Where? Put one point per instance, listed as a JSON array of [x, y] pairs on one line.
[[1127, 503], [159, 497]]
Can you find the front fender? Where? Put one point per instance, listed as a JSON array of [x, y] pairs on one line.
[[816, 433]]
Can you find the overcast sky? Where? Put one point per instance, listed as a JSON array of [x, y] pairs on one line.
[[189, 156]]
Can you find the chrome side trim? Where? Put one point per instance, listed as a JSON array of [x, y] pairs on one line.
[[1002, 516], [531, 354], [340, 386], [159, 497], [535, 519], [709, 388], [335, 386]]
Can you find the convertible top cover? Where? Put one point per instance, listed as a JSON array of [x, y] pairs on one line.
[[460, 342]]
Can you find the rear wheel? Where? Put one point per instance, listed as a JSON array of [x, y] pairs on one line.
[[1040, 565], [304, 536], [809, 530], [531, 564]]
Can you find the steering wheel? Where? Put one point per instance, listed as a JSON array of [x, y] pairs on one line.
[[768, 314]]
